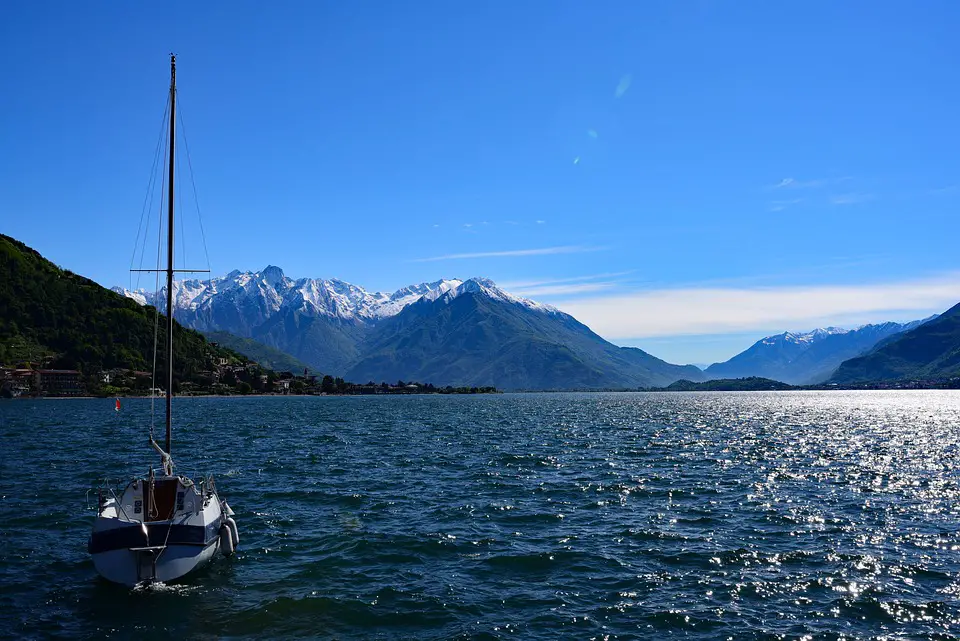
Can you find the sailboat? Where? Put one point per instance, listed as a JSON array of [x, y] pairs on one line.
[[162, 526]]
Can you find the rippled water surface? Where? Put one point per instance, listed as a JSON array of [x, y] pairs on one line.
[[584, 516]]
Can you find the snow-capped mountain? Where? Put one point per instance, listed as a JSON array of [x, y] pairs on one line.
[[930, 351], [271, 290], [806, 357], [320, 321], [488, 288], [805, 338], [454, 331], [451, 331], [479, 335]]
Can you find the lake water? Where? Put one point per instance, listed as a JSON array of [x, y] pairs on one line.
[[790, 515]]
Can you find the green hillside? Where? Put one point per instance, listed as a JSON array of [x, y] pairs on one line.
[[931, 351], [58, 319], [264, 355]]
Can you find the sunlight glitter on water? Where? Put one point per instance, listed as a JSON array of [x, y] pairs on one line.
[[752, 515]]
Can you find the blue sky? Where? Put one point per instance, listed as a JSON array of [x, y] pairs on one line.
[[682, 176]]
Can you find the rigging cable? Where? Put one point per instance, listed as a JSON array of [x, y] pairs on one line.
[[151, 190], [196, 198], [183, 236]]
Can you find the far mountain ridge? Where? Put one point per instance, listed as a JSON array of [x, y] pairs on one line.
[[929, 351], [804, 358]]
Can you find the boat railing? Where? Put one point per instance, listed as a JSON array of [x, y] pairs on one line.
[[108, 489]]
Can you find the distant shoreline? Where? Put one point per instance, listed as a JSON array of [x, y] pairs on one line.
[[620, 391], [161, 398]]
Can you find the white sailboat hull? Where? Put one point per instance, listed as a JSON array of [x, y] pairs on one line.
[[129, 545], [127, 566]]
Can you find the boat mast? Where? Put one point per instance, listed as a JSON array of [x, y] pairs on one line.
[[173, 121]]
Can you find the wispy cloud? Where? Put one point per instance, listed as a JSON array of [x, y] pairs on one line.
[[851, 199], [523, 284], [793, 183], [623, 85], [564, 286], [780, 205], [691, 311], [943, 190], [540, 251], [561, 290]]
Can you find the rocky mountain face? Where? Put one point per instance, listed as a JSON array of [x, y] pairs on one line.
[[473, 337]]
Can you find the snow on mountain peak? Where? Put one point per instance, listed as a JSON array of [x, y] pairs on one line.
[[271, 289], [139, 295], [812, 336], [272, 275], [399, 299], [488, 288]]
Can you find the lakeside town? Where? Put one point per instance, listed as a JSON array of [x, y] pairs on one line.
[[225, 377]]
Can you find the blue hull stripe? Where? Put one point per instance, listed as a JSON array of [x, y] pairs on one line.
[[132, 536]]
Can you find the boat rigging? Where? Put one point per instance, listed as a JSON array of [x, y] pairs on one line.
[[162, 526]]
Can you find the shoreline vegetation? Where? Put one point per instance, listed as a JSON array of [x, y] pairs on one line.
[[242, 380], [749, 384], [757, 384], [238, 378]]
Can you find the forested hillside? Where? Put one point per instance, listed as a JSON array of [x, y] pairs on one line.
[[54, 317]]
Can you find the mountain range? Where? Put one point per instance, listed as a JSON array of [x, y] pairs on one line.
[[471, 332], [318, 321], [449, 332], [931, 350], [806, 358]]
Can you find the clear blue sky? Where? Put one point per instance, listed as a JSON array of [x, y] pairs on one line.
[[682, 176]]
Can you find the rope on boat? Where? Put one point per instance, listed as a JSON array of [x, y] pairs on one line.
[[151, 504]]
